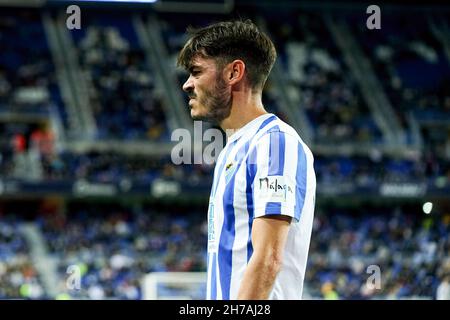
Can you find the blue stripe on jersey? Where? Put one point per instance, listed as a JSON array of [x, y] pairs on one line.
[[273, 208], [213, 192], [252, 167], [301, 181], [265, 123], [227, 234], [213, 278], [276, 153], [226, 241], [276, 164]]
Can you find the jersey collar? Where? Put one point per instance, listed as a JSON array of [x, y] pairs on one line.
[[251, 127]]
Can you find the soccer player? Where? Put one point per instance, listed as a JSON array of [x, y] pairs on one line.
[[262, 199]]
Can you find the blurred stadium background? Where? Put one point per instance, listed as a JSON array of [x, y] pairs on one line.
[[86, 116]]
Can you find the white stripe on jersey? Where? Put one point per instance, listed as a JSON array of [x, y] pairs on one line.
[[265, 168]]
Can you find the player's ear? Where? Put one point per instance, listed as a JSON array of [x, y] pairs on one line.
[[235, 71]]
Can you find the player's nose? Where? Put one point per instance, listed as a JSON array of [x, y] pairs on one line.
[[188, 86]]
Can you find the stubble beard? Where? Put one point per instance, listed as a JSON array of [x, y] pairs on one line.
[[218, 103]]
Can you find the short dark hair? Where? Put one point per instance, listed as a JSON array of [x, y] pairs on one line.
[[230, 40]]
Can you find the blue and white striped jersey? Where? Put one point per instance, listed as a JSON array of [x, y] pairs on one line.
[[264, 169]]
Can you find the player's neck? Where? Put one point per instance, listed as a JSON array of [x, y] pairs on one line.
[[245, 108]]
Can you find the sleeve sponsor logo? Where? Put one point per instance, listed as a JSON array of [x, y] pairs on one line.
[[274, 189]]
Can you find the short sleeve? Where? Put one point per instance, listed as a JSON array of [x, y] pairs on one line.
[[278, 169]]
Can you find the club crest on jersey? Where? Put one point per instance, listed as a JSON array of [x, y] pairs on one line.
[[230, 168]]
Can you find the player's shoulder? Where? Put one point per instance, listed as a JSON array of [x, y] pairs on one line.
[[279, 127]]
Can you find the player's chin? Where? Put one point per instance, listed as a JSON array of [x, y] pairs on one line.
[[196, 112], [195, 115]]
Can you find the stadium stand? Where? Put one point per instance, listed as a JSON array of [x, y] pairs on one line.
[[114, 205], [319, 80], [124, 97], [19, 278]]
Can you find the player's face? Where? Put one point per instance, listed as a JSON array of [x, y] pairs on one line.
[[210, 96]]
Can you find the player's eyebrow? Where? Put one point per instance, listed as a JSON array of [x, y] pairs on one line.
[[194, 66]]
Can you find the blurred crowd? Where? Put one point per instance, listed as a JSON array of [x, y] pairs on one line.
[[125, 101], [414, 69], [376, 168], [113, 251], [114, 248], [19, 278], [319, 82], [128, 105], [368, 253], [412, 65], [27, 73], [349, 249], [18, 138]]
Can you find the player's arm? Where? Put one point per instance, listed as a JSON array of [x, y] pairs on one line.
[[269, 235]]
